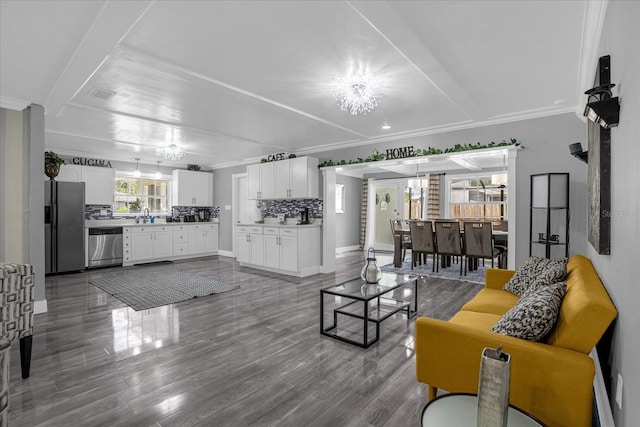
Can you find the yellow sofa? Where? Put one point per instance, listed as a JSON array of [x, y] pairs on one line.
[[551, 380]]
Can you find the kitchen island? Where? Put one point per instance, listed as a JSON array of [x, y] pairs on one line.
[[289, 249]]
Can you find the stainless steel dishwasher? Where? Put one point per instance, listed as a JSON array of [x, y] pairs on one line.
[[105, 246]]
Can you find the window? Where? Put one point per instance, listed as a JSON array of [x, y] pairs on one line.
[[133, 195], [473, 197], [340, 198]]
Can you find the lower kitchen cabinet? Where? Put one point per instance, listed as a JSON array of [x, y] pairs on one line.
[[281, 248], [151, 243], [160, 242], [203, 238], [292, 250], [250, 245]]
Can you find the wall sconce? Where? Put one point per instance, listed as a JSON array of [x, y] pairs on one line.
[[576, 151], [604, 111]]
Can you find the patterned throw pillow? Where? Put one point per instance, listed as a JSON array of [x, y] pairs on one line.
[[535, 315], [542, 271]]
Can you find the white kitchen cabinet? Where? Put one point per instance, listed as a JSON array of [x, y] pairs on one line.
[[69, 173], [296, 178], [281, 248], [292, 250], [203, 239], [250, 245], [161, 242], [192, 188], [99, 185], [211, 238], [260, 181], [99, 182], [126, 246], [151, 243]]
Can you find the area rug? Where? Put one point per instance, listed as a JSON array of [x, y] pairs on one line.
[[452, 272], [144, 290]]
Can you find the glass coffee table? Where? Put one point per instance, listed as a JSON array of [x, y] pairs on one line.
[[365, 305]]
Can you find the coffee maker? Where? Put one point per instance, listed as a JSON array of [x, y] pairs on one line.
[[304, 216]]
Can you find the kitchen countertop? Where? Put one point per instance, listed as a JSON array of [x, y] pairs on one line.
[[277, 224], [103, 223]]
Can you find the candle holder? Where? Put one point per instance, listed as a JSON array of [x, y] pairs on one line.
[[371, 273]]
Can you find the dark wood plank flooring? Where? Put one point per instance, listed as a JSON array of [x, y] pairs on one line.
[[250, 357]]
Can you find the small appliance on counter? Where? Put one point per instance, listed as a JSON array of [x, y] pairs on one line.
[[304, 216], [204, 215], [189, 218]]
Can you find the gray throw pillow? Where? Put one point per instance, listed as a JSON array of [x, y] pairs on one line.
[[535, 315], [543, 271]]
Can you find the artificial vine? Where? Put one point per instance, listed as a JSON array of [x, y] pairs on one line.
[[376, 156]]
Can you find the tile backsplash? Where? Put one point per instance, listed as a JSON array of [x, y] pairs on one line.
[[106, 212], [290, 208]]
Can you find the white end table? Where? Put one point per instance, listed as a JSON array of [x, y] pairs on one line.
[[458, 409]]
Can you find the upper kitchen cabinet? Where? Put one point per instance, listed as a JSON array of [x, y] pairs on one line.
[[296, 178], [99, 182], [260, 181], [191, 188], [99, 185]]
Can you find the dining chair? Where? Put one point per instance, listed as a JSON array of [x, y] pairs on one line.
[[478, 242], [423, 242], [397, 225], [500, 242], [449, 240]]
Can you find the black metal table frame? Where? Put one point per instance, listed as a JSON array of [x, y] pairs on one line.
[[365, 317]]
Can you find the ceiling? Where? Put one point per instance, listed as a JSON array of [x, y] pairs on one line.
[[232, 82]]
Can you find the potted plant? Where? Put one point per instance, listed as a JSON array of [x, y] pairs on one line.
[[52, 164]]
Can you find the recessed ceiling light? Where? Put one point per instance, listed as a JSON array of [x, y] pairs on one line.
[[386, 126]]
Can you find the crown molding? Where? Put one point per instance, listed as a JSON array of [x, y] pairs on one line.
[[13, 103], [593, 23]]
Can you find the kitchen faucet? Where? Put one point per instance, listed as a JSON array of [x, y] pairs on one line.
[[146, 215]]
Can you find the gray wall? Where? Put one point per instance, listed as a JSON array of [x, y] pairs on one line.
[[546, 141], [348, 223], [618, 271], [222, 196]]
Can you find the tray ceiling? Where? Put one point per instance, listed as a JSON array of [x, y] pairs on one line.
[[232, 82]]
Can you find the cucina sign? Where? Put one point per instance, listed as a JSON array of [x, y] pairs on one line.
[[91, 162]]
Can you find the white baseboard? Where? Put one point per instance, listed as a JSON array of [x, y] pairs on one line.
[[605, 415], [40, 306], [226, 253], [347, 249]]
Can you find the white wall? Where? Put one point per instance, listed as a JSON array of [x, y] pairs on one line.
[[348, 223], [619, 271], [546, 141], [22, 192], [11, 229]]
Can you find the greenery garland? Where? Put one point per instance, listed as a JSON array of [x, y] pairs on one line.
[[376, 156]]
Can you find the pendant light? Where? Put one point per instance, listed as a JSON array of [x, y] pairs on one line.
[[158, 175], [137, 173]]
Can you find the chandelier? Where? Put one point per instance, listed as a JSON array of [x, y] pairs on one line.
[[173, 152], [358, 91]]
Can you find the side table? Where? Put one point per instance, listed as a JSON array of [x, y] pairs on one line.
[[459, 409]]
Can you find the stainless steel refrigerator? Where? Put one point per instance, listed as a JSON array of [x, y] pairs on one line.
[[64, 226]]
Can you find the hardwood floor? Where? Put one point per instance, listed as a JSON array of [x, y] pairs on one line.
[[253, 356]]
